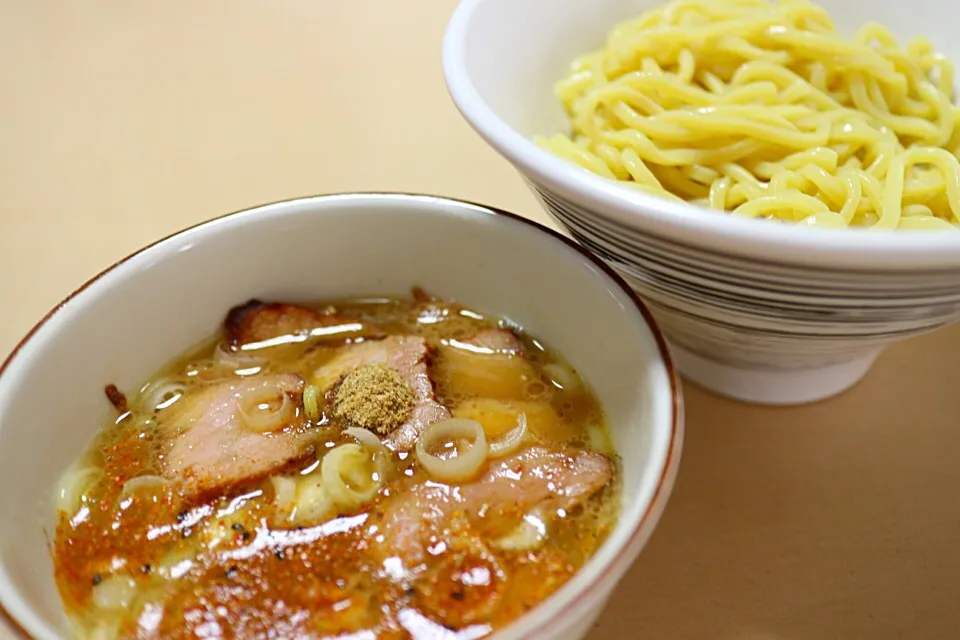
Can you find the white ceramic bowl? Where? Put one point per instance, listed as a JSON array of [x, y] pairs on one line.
[[754, 310], [131, 319]]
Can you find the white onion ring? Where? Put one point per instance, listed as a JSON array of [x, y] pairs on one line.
[[461, 467], [233, 360], [561, 376], [381, 455], [160, 394], [206, 370], [512, 440], [75, 485], [265, 420], [143, 482], [344, 461]]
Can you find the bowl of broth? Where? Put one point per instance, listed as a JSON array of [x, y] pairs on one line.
[[357, 415], [777, 180]]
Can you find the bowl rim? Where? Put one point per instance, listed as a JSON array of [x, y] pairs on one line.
[[672, 454], [859, 249]]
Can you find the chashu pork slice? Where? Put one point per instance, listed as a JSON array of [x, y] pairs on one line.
[[207, 446], [539, 479], [408, 355], [257, 322]]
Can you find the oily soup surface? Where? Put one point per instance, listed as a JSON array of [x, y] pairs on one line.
[[378, 468]]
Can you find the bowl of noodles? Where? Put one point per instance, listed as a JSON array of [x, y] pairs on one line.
[[356, 415], [779, 180]]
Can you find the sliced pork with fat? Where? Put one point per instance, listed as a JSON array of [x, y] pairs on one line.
[[208, 446], [490, 341], [537, 480], [256, 322]]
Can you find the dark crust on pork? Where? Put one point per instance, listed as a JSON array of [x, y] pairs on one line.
[[237, 317], [256, 321], [193, 495], [242, 324]]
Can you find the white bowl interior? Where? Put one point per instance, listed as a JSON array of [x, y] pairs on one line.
[[131, 321], [516, 50]]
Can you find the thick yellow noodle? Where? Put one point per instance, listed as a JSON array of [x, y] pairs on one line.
[[762, 110]]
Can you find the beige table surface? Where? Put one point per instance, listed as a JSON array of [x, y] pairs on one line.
[[124, 120]]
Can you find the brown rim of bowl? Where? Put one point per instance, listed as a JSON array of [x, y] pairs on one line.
[[676, 406]]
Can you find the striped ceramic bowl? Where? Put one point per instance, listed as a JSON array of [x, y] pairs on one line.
[[755, 310]]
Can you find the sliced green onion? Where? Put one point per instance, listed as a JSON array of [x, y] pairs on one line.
[[310, 406]]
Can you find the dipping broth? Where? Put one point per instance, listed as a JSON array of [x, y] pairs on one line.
[[385, 468]]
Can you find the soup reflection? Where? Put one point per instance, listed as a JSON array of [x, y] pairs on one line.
[[384, 468]]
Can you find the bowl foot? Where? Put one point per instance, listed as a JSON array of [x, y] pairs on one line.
[[771, 386]]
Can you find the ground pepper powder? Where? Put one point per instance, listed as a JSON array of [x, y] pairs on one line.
[[374, 396]]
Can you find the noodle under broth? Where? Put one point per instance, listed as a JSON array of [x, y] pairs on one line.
[[360, 467]]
